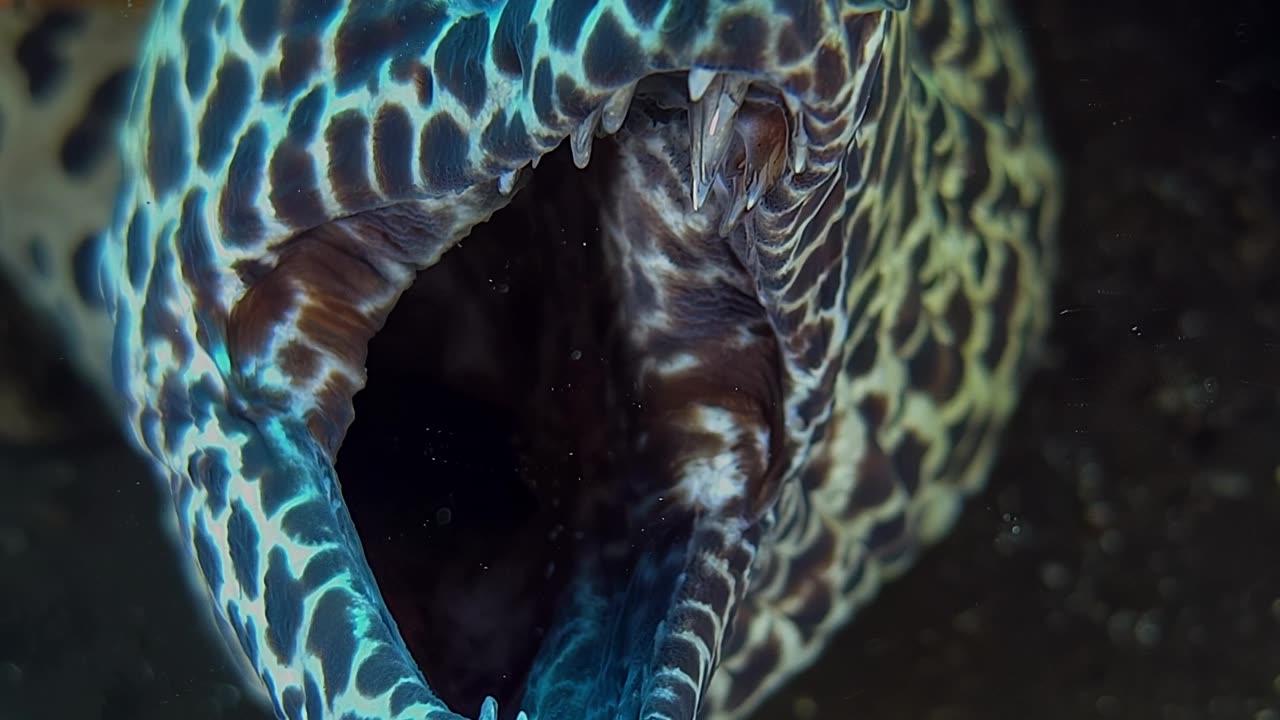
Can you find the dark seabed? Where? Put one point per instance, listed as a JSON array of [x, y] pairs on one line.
[[1122, 564]]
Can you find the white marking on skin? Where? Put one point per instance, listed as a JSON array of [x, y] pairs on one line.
[[677, 364], [762, 439], [713, 482]]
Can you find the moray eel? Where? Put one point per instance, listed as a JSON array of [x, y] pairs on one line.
[[756, 347]]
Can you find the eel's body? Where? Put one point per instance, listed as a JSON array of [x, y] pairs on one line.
[[825, 239]]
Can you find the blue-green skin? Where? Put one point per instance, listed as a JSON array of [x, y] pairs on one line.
[[257, 496], [253, 485]]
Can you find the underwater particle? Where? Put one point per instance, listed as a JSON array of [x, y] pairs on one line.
[[10, 674], [1147, 630], [1222, 706], [1193, 325], [1120, 627], [13, 541], [804, 708], [1177, 712], [968, 621], [227, 695], [1089, 480], [1055, 576], [1111, 542], [1100, 515], [1108, 706], [1228, 484]]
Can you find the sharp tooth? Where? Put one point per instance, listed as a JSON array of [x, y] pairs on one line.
[[736, 210], [699, 79], [756, 189], [711, 131], [800, 152], [506, 181], [615, 109], [580, 143], [799, 138]]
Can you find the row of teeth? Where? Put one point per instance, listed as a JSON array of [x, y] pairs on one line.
[[715, 99]]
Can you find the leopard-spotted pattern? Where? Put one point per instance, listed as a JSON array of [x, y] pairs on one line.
[[873, 286]]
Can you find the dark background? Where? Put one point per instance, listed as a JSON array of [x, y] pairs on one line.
[[1124, 562]]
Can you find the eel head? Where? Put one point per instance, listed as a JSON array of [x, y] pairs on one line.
[[477, 340]]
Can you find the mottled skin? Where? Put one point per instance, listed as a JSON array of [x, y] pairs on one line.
[[823, 374]]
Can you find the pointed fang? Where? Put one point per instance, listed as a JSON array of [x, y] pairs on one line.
[[711, 132], [799, 138], [506, 182], [580, 143], [737, 209], [699, 80], [615, 109]]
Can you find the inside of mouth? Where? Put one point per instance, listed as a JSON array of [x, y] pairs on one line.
[[485, 435], [513, 517]]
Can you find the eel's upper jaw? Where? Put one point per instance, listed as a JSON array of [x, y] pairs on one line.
[[743, 135]]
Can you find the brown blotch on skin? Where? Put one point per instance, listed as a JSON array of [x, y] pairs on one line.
[[425, 85], [818, 556], [815, 605], [874, 409], [936, 368], [1002, 312], [762, 660], [874, 483], [341, 280], [830, 72]]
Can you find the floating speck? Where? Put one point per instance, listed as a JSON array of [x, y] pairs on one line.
[[1147, 630], [804, 708], [1111, 542], [1228, 484], [1055, 576], [1120, 627], [13, 541]]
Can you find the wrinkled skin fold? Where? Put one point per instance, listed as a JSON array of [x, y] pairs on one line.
[[816, 245]]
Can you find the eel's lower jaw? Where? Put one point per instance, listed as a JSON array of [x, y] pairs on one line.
[[635, 631], [644, 641]]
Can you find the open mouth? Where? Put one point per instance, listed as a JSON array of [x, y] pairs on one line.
[[573, 418], [488, 435]]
